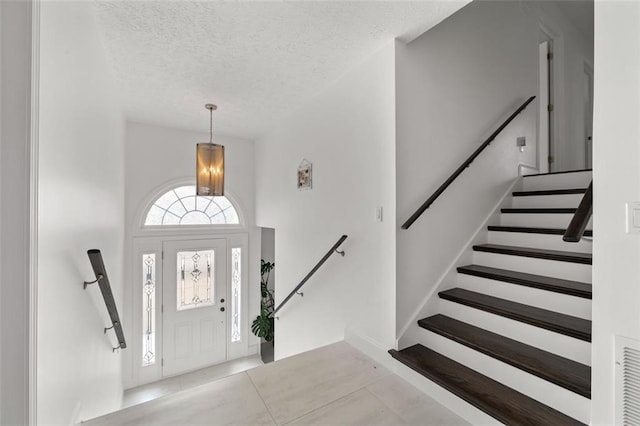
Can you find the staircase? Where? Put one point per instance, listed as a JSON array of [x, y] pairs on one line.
[[513, 337]]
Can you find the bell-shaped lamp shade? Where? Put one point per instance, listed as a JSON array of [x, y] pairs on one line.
[[210, 170]]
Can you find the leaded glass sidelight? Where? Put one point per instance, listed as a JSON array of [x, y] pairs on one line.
[[181, 206], [236, 280], [148, 309], [195, 279]]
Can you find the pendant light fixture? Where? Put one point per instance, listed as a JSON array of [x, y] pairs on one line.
[[210, 164]]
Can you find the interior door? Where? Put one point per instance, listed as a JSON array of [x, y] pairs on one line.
[[194, 296]]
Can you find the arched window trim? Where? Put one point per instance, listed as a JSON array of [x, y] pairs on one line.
[[182, 229]]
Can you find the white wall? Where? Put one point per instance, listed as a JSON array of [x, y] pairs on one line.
[[15, 122], [455, 84], [159, 156], [81, 207], [348, 133], [616, 173]]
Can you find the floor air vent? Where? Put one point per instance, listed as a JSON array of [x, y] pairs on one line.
[[627, 381]]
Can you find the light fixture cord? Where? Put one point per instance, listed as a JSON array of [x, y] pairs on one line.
[[211, 126]]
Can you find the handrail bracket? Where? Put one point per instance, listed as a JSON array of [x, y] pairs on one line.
[[86, 283]]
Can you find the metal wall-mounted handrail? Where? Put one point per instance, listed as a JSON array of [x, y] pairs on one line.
[[580, 219], [464, 165], [95, 257], [332, 250]]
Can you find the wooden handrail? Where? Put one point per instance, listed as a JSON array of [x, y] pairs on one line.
[[332, 250], [464, 165], [580, 219], [95, 257]]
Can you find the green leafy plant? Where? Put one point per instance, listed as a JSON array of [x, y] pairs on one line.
[[263, 325]]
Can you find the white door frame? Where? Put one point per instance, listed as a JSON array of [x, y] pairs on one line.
[[153, 244], [544, 125], [588, 142], [556, 93]]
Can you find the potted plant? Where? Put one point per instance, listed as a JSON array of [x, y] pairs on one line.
[[263, 325]]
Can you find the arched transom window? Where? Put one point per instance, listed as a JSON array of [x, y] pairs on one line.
[[181, 206]]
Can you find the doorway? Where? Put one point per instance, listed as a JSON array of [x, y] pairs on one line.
[[189, 304], [267, 254], [545, 104]]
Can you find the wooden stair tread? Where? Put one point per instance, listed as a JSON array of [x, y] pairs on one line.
[[530, 230], [563, 256], [539, 210], [549, 192], [557, 285], [561, 371], [497, 400], [559, 173], [554, 321]]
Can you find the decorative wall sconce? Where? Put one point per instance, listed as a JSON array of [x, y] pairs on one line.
[[305, 175], [210, 164]]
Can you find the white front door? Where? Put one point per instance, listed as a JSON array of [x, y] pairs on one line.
[[194, 304]]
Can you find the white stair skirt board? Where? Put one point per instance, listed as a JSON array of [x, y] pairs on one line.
[[547, 201], [444, 397], [550, 268], [539, 220], [557, 181], [565, 346], [559, 398], [543, 299], [543, 241]]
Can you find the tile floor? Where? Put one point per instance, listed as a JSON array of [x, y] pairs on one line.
[[169, 386], [333, 385]]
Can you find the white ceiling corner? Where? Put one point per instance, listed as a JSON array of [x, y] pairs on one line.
[[259, 61]]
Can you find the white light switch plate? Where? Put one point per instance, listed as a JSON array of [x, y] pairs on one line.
[[633, 218], [379, 214]]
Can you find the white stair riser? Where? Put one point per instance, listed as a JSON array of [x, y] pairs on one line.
[[539, 220], [557, 302], [557, 181], [544, 201], [550, 268], [554, 396], [543, 241], [546, 340]]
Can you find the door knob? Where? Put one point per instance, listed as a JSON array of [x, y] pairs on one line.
[[222, 309]]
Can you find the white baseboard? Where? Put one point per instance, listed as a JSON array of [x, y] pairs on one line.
[[526, 169], [369, 347], [75, 414]]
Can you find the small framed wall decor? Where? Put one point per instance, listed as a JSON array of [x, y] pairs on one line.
[[305, 175]]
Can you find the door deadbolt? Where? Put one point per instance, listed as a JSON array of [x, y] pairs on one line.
[[221, 300]]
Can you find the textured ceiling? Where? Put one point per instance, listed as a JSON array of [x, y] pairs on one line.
[[258, 61]]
